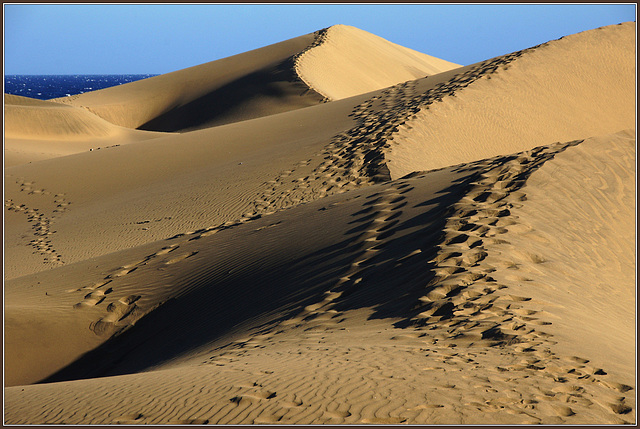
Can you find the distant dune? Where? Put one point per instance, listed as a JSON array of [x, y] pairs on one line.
[[36, 130], [330, 230]]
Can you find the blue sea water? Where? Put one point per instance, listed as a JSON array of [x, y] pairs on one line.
[[45, 87]]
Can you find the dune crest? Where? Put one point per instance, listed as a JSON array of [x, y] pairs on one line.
[[266, 81], [348, 61], [244, 86]]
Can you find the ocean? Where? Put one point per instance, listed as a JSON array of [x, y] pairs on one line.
[[45, 87]]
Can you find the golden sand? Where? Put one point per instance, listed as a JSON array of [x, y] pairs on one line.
[[337, 230]]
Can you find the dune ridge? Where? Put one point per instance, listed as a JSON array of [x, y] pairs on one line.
[[28, 118], [358, 260], [244, 86], [402, 131], [389, 141], [262, 82], [340, 63], [124, 190]]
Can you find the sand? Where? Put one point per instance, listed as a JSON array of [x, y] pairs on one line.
[[348, 61], [36, 130], [388, 238]]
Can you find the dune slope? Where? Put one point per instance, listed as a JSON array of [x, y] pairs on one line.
[[256, 83], [348, 61], [86, 203], [36, 130], [453, 249], [292, 157], [428, 268], [577, 86], [244, 86]]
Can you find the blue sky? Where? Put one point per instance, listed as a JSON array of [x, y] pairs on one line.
[[120, 39]]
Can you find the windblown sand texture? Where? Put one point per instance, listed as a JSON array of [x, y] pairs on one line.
[[335, 230]]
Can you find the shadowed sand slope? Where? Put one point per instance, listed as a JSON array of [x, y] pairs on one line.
[[36, 130], [453, 273], [261, 82], [244, 86], [453, 249]]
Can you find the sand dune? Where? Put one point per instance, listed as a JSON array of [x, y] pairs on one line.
[[289, 158], [36, 130], [256, 83], [348, 61], [244, 86], [364, 257], [394, 254], [580, 85], [245, 168]]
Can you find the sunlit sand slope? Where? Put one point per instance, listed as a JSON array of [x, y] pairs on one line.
[[453, 249], [581, 85], [348, 61], [435, 298], [36, 130], [68, 209]]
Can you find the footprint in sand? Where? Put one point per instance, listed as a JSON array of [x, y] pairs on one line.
[[267, 419], [166, 250], [296, 402], [92, 287], [93, 299], [122, 272], [622, 388], [120, 309], [253, 397], [116, 312], [180, 258], [336, 414]]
